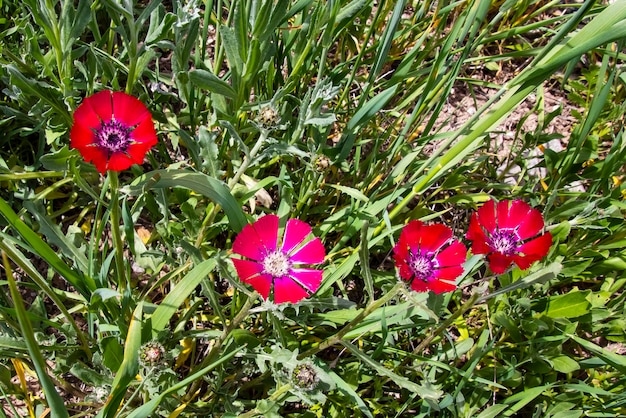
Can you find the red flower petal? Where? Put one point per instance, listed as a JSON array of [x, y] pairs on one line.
[[262, 284], [530, 225], [433, 237], [439, 286], [498, 263], [309, 278], [81, 136], [403, 268], [119, 161], [502, 214], [487, 216], [286, 290], [129, 110], [419, 286], [266, 228], [144, 132], [516, 213], [537, 247], [411, 235], [247, 269], [95, 109], [295, 232], [249, 244], [312, 252], [449, 273], [476, 234], [97, 155], [137, 152], [453, 255]]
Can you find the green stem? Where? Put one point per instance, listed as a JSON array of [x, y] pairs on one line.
[[118, 244], [241, 315], [232, 182], [336, 338], [280, 391], [445, 324]]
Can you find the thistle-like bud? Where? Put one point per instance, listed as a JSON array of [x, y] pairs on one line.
[[151, 354], [304, 377]]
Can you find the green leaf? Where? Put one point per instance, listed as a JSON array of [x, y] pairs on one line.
[[130, 365], [569, 305], [200, 183], [564, 364], [423, 391], [209, 81], [83, 283], [168, 307], [55, 402], [615, 360], [493, 411]]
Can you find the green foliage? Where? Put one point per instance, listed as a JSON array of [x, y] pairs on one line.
[[337, 113]]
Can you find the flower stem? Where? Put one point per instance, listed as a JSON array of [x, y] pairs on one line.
[[241, 315], [120, 269], [233, 181], [273, 397], [336, 338]]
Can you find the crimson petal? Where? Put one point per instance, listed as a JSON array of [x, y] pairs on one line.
[[498, 263], [262, 284], [516, 213], [538, 246], [412, 234], [449, 273], [101, 104], [487, 216], [419, 286], [295, 232], [249, 244], [439, 286], [266, 228], [119, 161], [246, 269], [434, 237], [453, 255], [308, 278], [312, 252], [530, 225], [129, 110], [286, 290], [476, 234]]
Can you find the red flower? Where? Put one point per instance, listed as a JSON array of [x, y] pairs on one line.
[[428, 257], [503, 232], [113, 129], [279, 266]]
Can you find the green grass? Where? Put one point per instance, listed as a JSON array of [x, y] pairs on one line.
[[356, 145]]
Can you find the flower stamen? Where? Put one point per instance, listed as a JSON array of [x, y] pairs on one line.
[[113, 136], [503, 241], [422, 266], [276, 264]]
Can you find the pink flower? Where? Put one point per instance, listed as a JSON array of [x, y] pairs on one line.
[[504, 233], [278, 267], [428, 257]]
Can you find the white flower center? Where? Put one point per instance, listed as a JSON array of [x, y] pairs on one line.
[[276, 264]]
